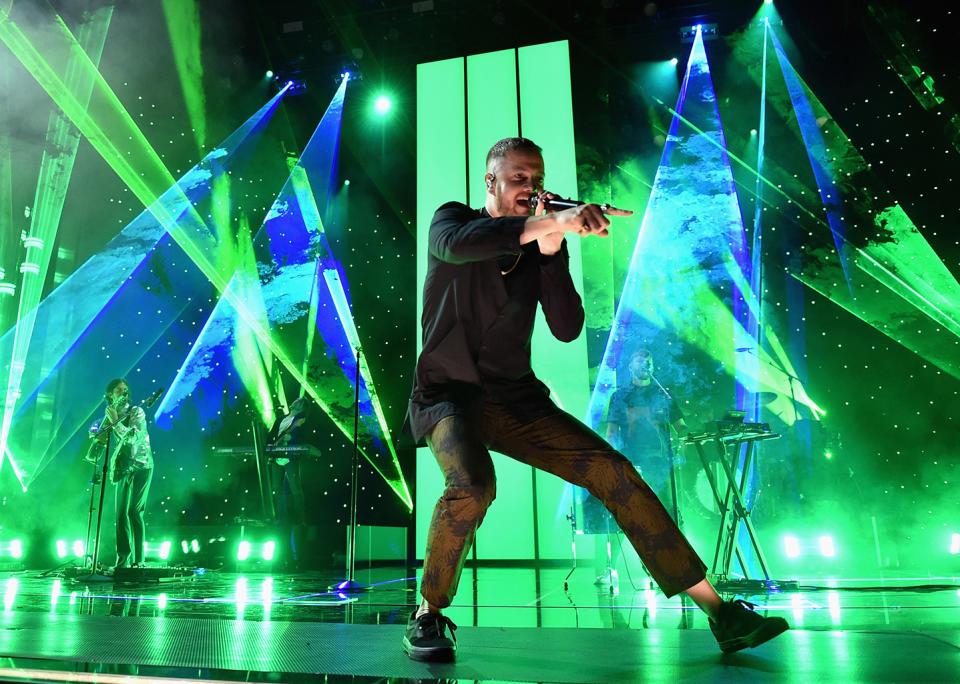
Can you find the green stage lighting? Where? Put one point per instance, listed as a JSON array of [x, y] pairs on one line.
[[827, 548], [240, 595], [13, 548], [165, 550], [183, 546], [63, 548], [955, 544], [10, 595], [674, 61], [266, 594], [269, 74], [243, 551], [268, 550], [382, 105], [791, 546]]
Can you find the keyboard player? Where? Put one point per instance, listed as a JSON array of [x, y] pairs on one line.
[[285, 474]]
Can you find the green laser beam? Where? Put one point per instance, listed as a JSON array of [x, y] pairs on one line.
[[183, 25], [56, 168]]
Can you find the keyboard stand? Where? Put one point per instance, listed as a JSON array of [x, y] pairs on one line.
[[732, 506]]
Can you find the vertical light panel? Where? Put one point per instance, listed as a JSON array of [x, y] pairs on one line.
[[548, 121], [491, 112], [441, 177], [494, 108]]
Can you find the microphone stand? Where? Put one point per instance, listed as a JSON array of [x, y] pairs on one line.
[[350, 585], [685, 622], [95, 559], [673, 474]]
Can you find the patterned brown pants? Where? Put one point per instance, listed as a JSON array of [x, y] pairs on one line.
[[558, 444]]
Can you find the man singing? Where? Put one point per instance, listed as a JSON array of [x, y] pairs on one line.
[[474, 389], [132, 469]]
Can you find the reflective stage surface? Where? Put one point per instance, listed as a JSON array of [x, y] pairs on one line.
[[515, 624]]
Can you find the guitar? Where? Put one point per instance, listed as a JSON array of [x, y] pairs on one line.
[[101, 437]]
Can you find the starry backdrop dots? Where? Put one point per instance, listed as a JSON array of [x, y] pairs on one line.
[[890, 423]]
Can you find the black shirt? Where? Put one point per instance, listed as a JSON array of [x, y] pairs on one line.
[[644, 414], [477, 322]]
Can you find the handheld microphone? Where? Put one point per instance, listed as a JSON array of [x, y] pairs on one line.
[[156, 395], [558, 203]]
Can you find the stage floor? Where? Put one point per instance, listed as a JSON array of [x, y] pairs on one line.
[[515, 624]]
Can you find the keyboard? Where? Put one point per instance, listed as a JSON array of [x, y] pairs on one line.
[[289, 451]]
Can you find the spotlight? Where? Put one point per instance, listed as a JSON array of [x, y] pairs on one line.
[[382, 105], [955, 544], [349, 71], [767, 2], [291, 79], [753, 132], [791, 545], [346, 181], [827, 548], [674, 61], [243, 551], [707, 31], [269, 74]]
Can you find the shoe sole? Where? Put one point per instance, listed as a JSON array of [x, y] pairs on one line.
[[434, 655], [770, 628]]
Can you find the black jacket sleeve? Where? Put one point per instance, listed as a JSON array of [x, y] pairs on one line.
[[459, 234], [561, 304]]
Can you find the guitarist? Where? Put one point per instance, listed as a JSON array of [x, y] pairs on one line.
[[131, 468]]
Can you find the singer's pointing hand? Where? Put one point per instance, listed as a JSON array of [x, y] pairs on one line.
[[586, 219]]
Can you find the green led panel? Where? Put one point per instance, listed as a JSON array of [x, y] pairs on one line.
[[548, 121], [458, 120], [441, 177]]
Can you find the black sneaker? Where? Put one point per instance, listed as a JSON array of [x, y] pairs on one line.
[[739, 626], [425, 638]]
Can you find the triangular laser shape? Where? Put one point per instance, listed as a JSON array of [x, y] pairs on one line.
[[296, 274], [681, 300], [73, 317], [888, 250], [56, 168]]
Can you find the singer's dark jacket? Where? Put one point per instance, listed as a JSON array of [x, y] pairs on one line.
[[477, 323]]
